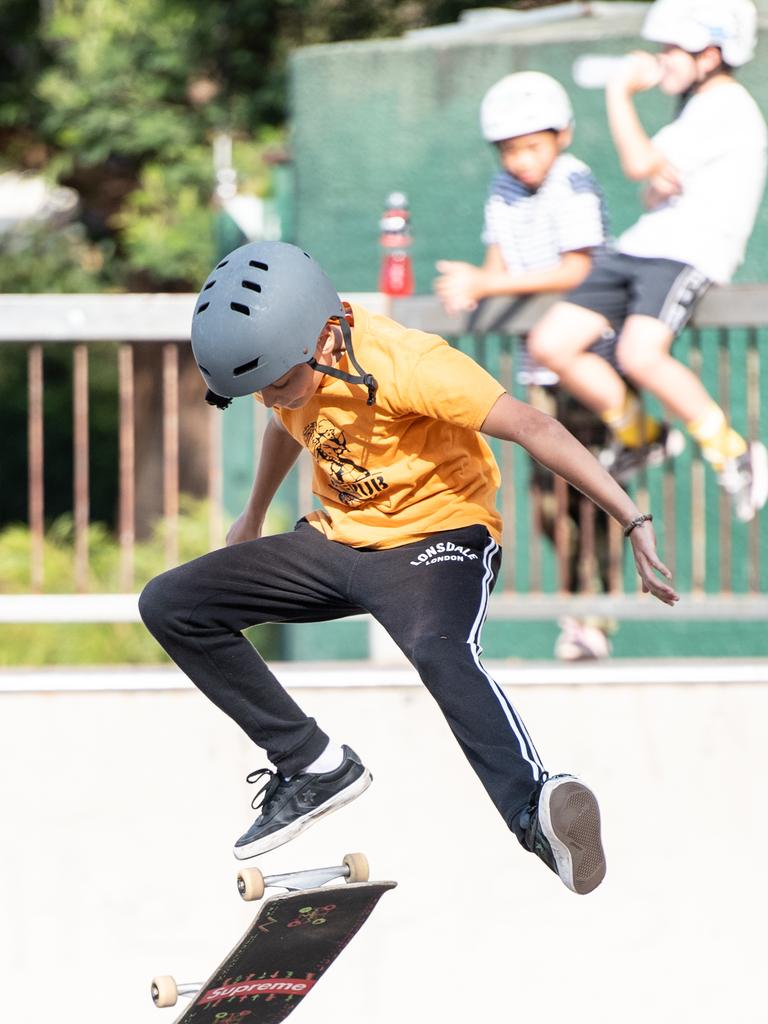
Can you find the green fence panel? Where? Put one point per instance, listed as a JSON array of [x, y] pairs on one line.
[[761, 389], [734, 354], [521, 470], [679, 534], [709, 347]]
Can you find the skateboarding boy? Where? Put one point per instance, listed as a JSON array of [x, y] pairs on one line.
[[408, 532], [545, 218], [704, 175]]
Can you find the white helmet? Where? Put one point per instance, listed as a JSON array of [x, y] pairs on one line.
[[693, 25], [528, 101]]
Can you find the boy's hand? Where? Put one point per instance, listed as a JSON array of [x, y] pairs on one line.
[[650, 566], [243, 528], [459, 287], [664, 184], [638, 72]]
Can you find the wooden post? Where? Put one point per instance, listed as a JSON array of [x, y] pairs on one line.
[[35, 463], [81, 460], [127, 497], [171, 452]]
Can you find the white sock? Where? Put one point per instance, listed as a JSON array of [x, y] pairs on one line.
[[329, 760]]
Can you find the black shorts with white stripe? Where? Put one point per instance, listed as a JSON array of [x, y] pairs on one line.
[[621, 285]]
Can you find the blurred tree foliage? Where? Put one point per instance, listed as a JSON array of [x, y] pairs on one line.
[[100, 644]]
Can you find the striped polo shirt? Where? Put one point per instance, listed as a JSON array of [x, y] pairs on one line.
[[533, 229]]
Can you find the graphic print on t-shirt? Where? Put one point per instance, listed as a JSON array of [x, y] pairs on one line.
[[328, 445]]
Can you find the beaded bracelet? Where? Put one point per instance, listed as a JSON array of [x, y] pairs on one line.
[[646, 517]]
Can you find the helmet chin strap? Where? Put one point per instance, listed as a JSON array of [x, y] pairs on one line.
[[366, 379], [218, 401]]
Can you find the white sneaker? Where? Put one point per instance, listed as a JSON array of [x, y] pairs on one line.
[[745, 480], [581, 641], [562, 827]]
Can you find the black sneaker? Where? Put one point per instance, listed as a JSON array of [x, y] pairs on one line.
[[623, 462], [289, 806], [562, 827]]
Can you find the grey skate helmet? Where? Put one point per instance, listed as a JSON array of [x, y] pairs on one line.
[[259, 314]]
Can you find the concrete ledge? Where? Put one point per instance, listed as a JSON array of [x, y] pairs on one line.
[[365, 675]]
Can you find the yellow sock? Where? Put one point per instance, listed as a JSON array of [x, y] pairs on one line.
[[630, 424], [717, 440]]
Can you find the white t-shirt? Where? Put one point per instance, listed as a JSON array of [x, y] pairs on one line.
[[533, 229], [719, 147]]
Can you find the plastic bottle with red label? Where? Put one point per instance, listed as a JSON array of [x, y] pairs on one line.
[[396, 274]]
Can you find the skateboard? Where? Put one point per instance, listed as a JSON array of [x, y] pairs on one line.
[[293, 940]]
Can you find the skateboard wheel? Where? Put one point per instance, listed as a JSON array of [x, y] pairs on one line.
[[164, 991], [357, 865], [250, 884]]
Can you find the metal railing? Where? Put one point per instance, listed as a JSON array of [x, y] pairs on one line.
[[711, 554], [125, 320]]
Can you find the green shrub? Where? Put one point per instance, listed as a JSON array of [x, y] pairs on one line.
[[98, 643]]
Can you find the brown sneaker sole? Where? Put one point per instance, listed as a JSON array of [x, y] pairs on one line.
[[569, 817]]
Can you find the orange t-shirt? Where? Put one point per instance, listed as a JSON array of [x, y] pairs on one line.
[[412, 464]]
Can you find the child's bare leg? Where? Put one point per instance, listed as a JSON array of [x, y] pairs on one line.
[[643, 353], [560, 341], [742, 468]]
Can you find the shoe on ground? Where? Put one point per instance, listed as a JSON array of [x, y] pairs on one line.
[[562, 827], [581, 641], [745, 480], [289, 806], [623, 462]]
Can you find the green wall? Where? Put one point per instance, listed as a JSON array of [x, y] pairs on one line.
[[369, 118], [403, 114]]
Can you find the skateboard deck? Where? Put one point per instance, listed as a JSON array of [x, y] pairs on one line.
[[293, 940]]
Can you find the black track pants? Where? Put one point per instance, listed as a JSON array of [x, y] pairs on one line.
[[431, 597]]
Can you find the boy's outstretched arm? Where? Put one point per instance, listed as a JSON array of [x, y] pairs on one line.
[[553, 446], [279, 451], [461, 285]]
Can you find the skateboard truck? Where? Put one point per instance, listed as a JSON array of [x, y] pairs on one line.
[[251, 883]]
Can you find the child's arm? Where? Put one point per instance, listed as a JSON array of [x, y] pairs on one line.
[[639, 158], [279, 451], [553, 446], [461, 285]]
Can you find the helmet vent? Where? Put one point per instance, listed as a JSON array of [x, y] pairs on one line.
[[203, 306], [222, 264], [238, 307], [240, 370], [252, 285], [204, 369], [258, 265], [209, 285]]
